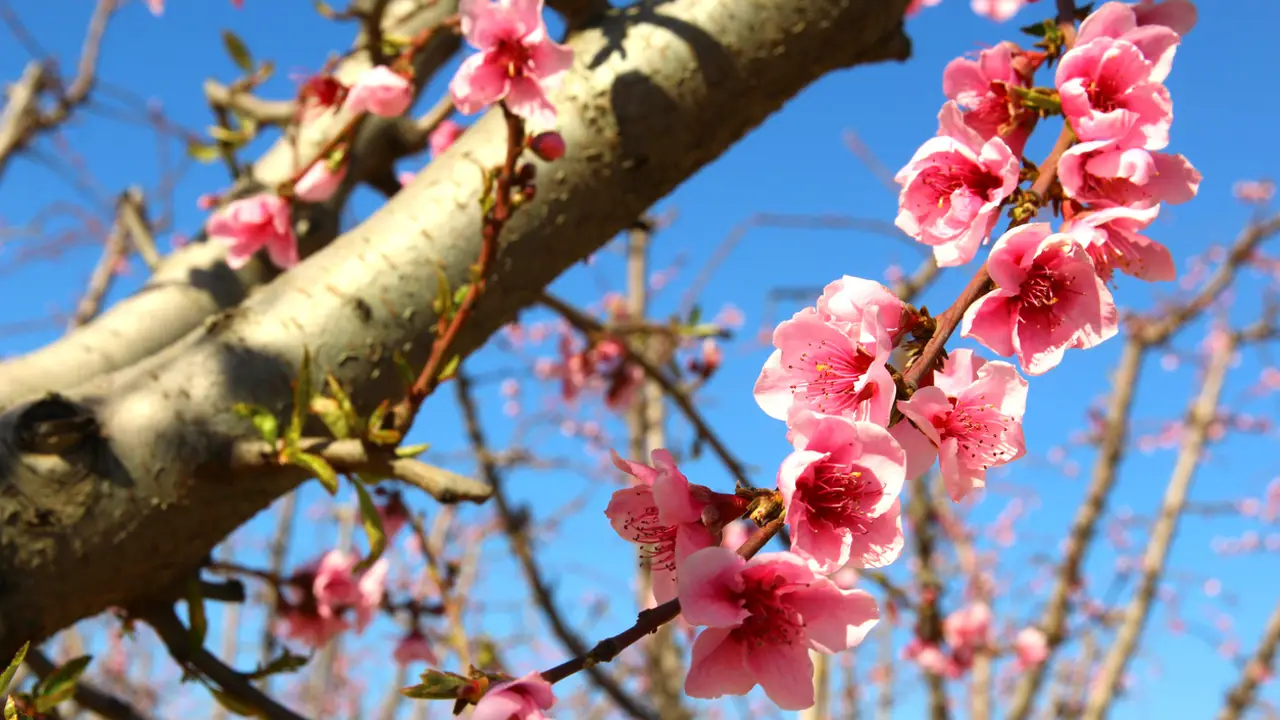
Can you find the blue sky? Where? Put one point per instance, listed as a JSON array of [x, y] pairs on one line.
[[797, 163]]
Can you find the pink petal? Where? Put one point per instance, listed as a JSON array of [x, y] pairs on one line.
[[835, 619], [710, 584], [786, 674], [718, 666]]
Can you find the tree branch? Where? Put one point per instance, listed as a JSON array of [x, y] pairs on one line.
[[1245, 692], [144, 495]]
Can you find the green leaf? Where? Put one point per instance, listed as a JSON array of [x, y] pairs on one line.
[[325, 9], [695, 315], [460, 294], [372, 522], [235, 704], [344, 402], [60, 684], [263, 419], [301, 401], [407, 373], [436, 685], [330, 413], [200, 152], [450, 368], [443, 304], [410, 451], [195, 610], [286, 663], [7, 676], [238, 51], [227, 135], [1039, 29], [319, 467], [10, 709]]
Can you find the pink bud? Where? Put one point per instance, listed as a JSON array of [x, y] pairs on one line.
[[548, 145], [319, 182], [445, 134], [381, 91]]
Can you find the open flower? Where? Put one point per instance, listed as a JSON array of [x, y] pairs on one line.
[[832, 367], [663, 514], [953, 187], [521, 699], [337, 586], [380, 91], [1110, 92], [1048, 298], [981, 88], [1119, 21], [973, 414], [1104, 174], [518, 62], [968, 628], [1178, 15], [763, 617], [253, 223], [851, 299], [1114, 240], [840, 488]]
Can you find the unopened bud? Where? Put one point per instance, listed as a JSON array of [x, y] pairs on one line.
[[548, 145]]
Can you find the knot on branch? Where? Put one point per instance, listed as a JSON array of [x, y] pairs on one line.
[[54, 426]]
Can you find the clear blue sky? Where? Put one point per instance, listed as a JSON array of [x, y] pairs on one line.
[[796, 163]]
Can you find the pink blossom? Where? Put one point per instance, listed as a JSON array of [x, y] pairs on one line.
[[828, 367], [414, 647], [708, 360], [1114, 240], [968, 627], [663, 514], [1250, 191], [840, 488], [973, 414], [953, 187], [1118, 21], [1031, 647], [445, 135], [916, 5], [518, 62], [1103, 174], [310, 628], [1178, 15], [1109, 93], [521, 699], [929, 658], [380, 91], [981, 87], [336, 586], [763, 617], [851, 299], [156, 7], [1048, 298], [319, 182], [250, 224], [998, 10]]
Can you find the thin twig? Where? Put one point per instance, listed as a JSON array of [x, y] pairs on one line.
[[514, 524], [1245, 692]]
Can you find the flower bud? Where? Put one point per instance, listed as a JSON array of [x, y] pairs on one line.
[[548, 145]]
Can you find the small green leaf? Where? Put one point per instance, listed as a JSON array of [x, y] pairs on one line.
[[460, 294], [60, 684], [200, 152], [7, 676], [376, 419], [195, 610], [10, 709], [235, 704], [450, 368], [330, 413], [443, 304], [301, 401], [325, 9], [344, 402], [238, 51], [286, 663], [372, 526], [695, 315], [1039, 29], [436, 685], [407, 373], [263, 419], [227, 135], [319, 467], [385, 437], [409, 451]]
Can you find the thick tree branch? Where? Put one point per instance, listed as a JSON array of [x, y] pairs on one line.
[[133, 507], [514, 523], [194, 283]]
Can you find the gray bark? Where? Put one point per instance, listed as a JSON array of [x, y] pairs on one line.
[[125, 514]]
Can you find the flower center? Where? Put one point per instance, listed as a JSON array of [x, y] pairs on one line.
[[658, 541], [980, 431], [840, 496], [771, 621], [834, 376], [512, 55]]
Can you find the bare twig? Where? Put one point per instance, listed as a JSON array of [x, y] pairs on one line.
[[514, 523], [114, 252], [924, 521], [265, 112], [1245, 692], [177, 639], [87, 695], [356, 456], [1200, 416]]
